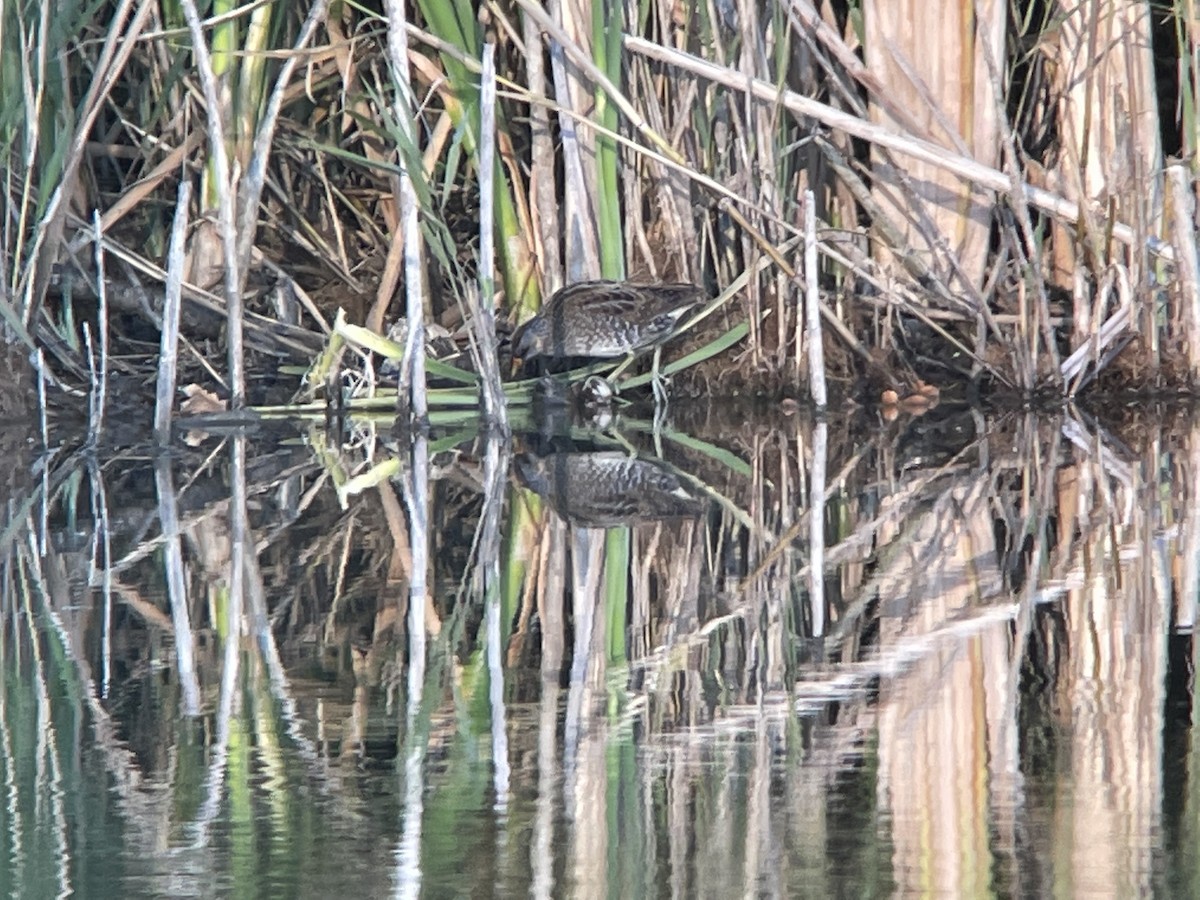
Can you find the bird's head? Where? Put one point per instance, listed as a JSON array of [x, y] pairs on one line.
[[529, 340]]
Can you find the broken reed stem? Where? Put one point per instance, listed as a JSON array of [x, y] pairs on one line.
[[168, 354], [812, 305], [100, 398], [414, 344], [225, 211], [483, 315]]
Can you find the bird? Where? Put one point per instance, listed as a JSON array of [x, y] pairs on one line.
[[607, 488], [607, 320]]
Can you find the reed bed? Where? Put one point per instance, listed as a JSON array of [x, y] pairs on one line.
[[1010, 228]]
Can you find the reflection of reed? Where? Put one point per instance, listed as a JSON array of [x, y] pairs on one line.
[[985, 713], [935, 555], [1110, 690]]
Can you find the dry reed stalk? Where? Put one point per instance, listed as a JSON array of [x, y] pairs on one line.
[[1111, 149], [255, 174], [226, 191], [968, 169], [1109, 116], [668, 192], [121, 37], [928, 57], [487, 567], [812, 306], [411, 393], [168, 354], [1182, 207], [579, 190], [483, 326], [43, 412], [543, 203], [99, 398], [573, 42]]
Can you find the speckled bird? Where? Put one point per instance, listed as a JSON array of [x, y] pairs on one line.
[[607, 320]]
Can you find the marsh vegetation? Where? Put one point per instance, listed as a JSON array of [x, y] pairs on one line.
[[373, 606]]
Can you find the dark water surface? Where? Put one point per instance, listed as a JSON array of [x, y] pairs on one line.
[[948, 655]]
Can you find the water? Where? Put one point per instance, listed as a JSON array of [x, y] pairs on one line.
[[627, 680]]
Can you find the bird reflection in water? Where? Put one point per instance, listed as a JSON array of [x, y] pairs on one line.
[[607, 488]]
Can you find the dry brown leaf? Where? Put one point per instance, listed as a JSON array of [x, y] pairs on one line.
[[200, 401]]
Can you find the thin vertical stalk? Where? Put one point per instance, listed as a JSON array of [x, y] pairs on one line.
[[454, 21], [544, 203], [225, 211], [168, 353], [43, 413], [581, 241], [238, 541], [416, 498], [119, 44], [587, 549], [100, 398], [414, 345], [812, 305], [483, 317], [607, 27]]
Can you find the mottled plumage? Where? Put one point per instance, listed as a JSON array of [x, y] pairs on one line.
[[608, 488], [606, 319]]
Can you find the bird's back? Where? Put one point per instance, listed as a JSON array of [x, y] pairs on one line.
[[612, 318]]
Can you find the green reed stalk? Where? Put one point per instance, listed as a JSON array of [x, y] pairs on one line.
[[607, 28], [225, 45], [454, 22]]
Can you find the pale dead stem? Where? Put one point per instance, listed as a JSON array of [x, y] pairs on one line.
[[967, 168]]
